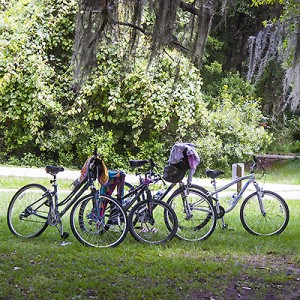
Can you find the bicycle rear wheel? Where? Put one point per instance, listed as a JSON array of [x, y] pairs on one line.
[[270, 220], [99, 223], [152, 222], [197, 217], [28, 211]]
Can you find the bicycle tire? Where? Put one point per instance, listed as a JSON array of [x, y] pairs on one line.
[[28, 211], [275, 219], [199, 188], [92, 229], [152, 222], [199, 223]]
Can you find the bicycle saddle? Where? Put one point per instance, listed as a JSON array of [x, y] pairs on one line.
[[138, 163], [53, 170], [213, 174]]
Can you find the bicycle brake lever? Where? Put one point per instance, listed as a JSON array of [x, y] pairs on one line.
[[95, 152]]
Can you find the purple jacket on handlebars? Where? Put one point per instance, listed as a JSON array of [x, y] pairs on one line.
[[177, 154]]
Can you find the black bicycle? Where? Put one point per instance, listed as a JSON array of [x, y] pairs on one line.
[[194, 212], [96, 220], [150, 219]]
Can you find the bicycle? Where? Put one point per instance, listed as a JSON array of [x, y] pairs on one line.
[[182, 201], [150, 220], [262, 213], [96, 220]]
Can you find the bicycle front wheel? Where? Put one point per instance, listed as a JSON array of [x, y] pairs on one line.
[[269, 217], [99, 222], [197, 217], [28, 211], [152, 222]]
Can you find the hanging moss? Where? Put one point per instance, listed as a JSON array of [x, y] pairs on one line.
[[99, 20]]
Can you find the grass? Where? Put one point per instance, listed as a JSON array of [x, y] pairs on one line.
[[14, 183], [231, 264], [288, 171]]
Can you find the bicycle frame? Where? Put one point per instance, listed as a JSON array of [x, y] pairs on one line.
[[139, 191], [71, 198], [250, 179]]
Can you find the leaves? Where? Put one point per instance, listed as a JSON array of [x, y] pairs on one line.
[[127, 108]]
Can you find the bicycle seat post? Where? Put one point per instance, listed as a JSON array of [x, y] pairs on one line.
[[214, 183], [54, 184]]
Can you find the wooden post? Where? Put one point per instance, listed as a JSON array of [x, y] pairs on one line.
[[238, 171]]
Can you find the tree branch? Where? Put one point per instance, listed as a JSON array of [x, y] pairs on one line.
[[189, 7], [193, 10], [141, 29]]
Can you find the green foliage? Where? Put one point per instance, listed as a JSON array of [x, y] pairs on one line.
[[263, 2], [140, 112], [128, 108], [233, 131], [286, 170], [33, 72], [286, 132]]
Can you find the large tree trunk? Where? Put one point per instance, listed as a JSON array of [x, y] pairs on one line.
[[292, 79], [92, 18]]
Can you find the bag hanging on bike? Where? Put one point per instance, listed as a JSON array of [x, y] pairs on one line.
[[183, 157], [98, 169], [173, 174]]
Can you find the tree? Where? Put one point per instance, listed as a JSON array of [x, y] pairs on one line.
[[158, 20], [138, 87], [280, 41]]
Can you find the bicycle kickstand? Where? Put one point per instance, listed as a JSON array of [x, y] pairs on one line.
[[225, 225], [63, 234]]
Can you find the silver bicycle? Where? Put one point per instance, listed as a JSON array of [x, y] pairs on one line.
[[262, 212]]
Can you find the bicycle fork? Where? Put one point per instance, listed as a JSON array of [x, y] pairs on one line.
[[259, 197], [187, 208]]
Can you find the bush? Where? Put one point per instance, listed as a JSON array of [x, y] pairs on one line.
[[127, 108]]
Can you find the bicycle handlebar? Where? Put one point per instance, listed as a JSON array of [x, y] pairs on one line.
[[254, 164], [95, 152], [150, 172]]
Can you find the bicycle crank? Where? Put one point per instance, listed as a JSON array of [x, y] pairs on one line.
[[221, 212], [53, 217]]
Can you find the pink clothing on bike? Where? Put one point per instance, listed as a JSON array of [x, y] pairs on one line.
[[177, 154]]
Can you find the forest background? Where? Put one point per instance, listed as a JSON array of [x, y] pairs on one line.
[[134, 77]]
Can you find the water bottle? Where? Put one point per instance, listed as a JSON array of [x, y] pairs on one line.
[[232, 199], [126, 201], [157, 195]]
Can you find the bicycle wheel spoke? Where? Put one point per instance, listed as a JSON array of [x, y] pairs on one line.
[[196, 215], [102, 226], [269, 217], [28, 211], [152, 222]]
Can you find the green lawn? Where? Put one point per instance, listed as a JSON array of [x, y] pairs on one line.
[[231, 264], [285, 172]]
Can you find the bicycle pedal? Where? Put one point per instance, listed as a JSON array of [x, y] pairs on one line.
[[65, 235]]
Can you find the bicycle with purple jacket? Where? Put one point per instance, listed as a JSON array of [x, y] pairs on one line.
[[196, 214]]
